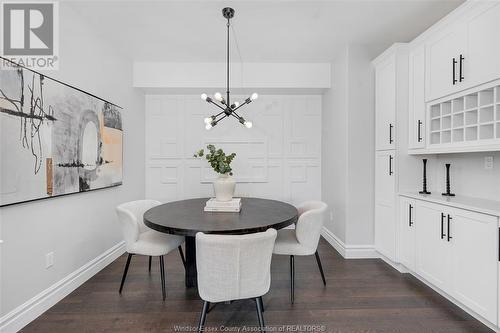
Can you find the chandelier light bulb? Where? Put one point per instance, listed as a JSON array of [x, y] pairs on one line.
[[236, 104], [208, 126], [208, 120], [218, 96], [248, 124], [204, 97], [254, 96]]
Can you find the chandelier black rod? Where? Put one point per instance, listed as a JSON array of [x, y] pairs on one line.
[[227, 70], [228, 108]]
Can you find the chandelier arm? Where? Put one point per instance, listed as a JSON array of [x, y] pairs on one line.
[[239, 106], [218, 114], [234, 114], [217, 105]]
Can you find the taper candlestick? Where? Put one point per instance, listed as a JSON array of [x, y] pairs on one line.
[[424, 190], [448, 191]]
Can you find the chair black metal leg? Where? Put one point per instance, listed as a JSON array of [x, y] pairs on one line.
[[320, 267], [150, 259], [261, 304], [258, 303], [125, 271], [203, 316], [182, 256], [162, 275], [292, 279]]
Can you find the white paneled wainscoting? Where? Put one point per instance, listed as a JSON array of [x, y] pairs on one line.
[[278, 158]]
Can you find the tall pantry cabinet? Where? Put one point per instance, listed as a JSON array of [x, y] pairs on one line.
[[393, 167]]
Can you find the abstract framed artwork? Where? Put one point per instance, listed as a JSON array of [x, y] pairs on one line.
[[55, 139]]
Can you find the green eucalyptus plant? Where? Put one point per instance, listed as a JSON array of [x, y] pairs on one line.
[[219, 161]]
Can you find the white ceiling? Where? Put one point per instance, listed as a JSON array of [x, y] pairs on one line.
[[267, 31]]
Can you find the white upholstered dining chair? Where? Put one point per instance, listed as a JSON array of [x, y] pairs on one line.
[[303, 240], [233, 267], [141, 240]]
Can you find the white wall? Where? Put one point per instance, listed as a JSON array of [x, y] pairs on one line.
[[79, 227], [348, 147], [468, 175], [334, 147], [243, 75], [279, 158]]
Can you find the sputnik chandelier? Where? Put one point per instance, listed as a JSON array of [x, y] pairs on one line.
[[222, 103]]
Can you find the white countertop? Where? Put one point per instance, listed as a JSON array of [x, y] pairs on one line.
[[485, 206]]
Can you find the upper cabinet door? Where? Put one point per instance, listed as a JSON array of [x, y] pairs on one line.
[[416, 107], [385, 104], [444, 54], [482, 63]]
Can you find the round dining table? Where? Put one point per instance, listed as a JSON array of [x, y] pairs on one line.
[[187, 218]]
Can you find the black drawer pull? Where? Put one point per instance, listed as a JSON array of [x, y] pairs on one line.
[[461, 76], [454, 62], [391, 126], [420, 131], [410, 222], [442, 225], [449, 234]]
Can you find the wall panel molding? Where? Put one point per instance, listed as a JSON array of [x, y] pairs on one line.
[[280, 157]]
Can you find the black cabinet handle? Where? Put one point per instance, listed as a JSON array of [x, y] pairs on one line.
[[454, 62], [410, 223], [449, 220], [420, 131], [442, 225], [461, 76], [391, 126], [390, 165]]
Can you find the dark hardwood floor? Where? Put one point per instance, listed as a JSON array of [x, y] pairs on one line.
[[362, 296]]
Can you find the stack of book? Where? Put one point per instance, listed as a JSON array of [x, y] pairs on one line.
[[233, 205]]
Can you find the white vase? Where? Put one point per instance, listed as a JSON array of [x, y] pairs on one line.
[[224, 187]]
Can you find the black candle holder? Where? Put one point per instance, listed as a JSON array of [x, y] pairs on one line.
[[448, 192], [424, 190]]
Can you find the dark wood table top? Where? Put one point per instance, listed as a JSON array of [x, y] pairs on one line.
[[186, 217]]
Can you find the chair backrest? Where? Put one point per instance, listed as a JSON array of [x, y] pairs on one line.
[[232, 267], [310, 223], [130, 215]]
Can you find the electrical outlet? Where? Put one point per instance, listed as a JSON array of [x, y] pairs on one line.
[[488, 162], [49, 260]]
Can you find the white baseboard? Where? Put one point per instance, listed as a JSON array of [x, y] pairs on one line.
[[349, 251], [30, 310]]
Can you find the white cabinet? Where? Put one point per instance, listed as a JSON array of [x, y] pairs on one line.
[[483, 45], [474, 260], [466, 54], [407, 233], [416, 98], [385, 103], [385, 234], [385, 192], [453, 249], [385, 180], [433, 250], [444, 62]]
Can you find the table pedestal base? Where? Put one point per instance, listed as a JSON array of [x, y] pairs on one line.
[[191, 272]]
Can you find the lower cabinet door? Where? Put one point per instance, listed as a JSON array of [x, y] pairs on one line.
[[385, 230], [474, 246], [406, 242], [433, 249]]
